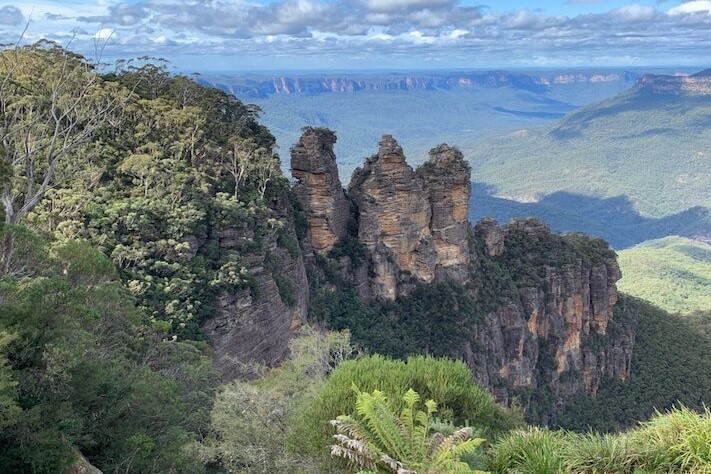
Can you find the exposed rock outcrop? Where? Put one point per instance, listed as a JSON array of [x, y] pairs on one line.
[[555, 332], [414, 223], [697, 84], [318, 188], [394, 221], [81, 465], [553, 305], [492, 235], [447, 180], [256, 324]]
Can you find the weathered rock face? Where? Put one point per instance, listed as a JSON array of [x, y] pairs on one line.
[[256, 325], [552, 328], [313, 165], [446, 176], [414, 223], [553, 333], [492, 235], [394, 220], [697, 84]]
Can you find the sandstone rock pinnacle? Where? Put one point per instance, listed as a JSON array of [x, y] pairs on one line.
[[313, 165]]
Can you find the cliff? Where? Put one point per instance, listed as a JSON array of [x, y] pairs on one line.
[[255, 324], [536, 312], [264, 86], [557, 330], [698, 84], [318, 188]]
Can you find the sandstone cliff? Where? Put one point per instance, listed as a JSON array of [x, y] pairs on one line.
[[313, 165], [260, 87], [554, 331], [413, 223], [697, 84], [256, 324], [549, 320]]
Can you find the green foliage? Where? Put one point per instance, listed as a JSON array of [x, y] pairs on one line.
[[350, 247], [674, 273], [531, 451], [676, 442], [90, 376], [432, 319], [449, 382], [649, 147], [250, 420], [527, 254], [180, 169], [670, 366], [9, 408], [379, 440]]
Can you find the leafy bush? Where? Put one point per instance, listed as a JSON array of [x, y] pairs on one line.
[[378, 440], [534, 451], [87, 374], [449, 382], [251, 420]]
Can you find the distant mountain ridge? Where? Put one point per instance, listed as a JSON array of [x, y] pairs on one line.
[[651, 143], [263, 86], [695, 84]]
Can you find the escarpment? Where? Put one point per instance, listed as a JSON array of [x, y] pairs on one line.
[[256, 323], [557, 330], [541, 304]]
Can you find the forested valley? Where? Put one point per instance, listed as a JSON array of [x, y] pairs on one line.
[[142, 211]]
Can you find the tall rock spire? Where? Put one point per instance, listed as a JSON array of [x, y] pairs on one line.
[[446, 176], [313, 165]]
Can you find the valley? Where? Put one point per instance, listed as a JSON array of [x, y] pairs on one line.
[[169, 296]]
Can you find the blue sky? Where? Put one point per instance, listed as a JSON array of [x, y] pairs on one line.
[[222, 35]]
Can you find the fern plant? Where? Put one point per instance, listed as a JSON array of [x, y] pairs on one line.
[[379, 441]]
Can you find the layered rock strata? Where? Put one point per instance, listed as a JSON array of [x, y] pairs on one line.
[[551, 324], [553, 333], [255, 325], [318, 188]]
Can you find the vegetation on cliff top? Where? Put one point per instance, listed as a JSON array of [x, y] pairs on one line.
[[153, 168], [111, 260]]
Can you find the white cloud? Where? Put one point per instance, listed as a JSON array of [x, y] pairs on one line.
[[691, 7], [336, 29], [104, 34], [635, 13]]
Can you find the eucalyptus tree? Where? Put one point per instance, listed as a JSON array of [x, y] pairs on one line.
[[52, 102]]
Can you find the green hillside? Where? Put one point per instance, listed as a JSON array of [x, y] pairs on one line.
[[674, 273], [653, 148]]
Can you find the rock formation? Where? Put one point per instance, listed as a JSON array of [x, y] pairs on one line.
[[318, 189], [394, 221], [414, 223], [548, 321], [545, 335], [447, 180], [696, 84], [256, 324]]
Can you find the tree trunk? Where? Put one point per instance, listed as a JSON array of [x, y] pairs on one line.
[[8, 248]]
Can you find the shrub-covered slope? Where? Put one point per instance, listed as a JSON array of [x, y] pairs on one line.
[[674, 273], [653, 148]]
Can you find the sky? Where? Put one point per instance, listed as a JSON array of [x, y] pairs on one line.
[[260, 35]]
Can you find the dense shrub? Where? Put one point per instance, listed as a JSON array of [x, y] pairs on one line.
[[450, 382]]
